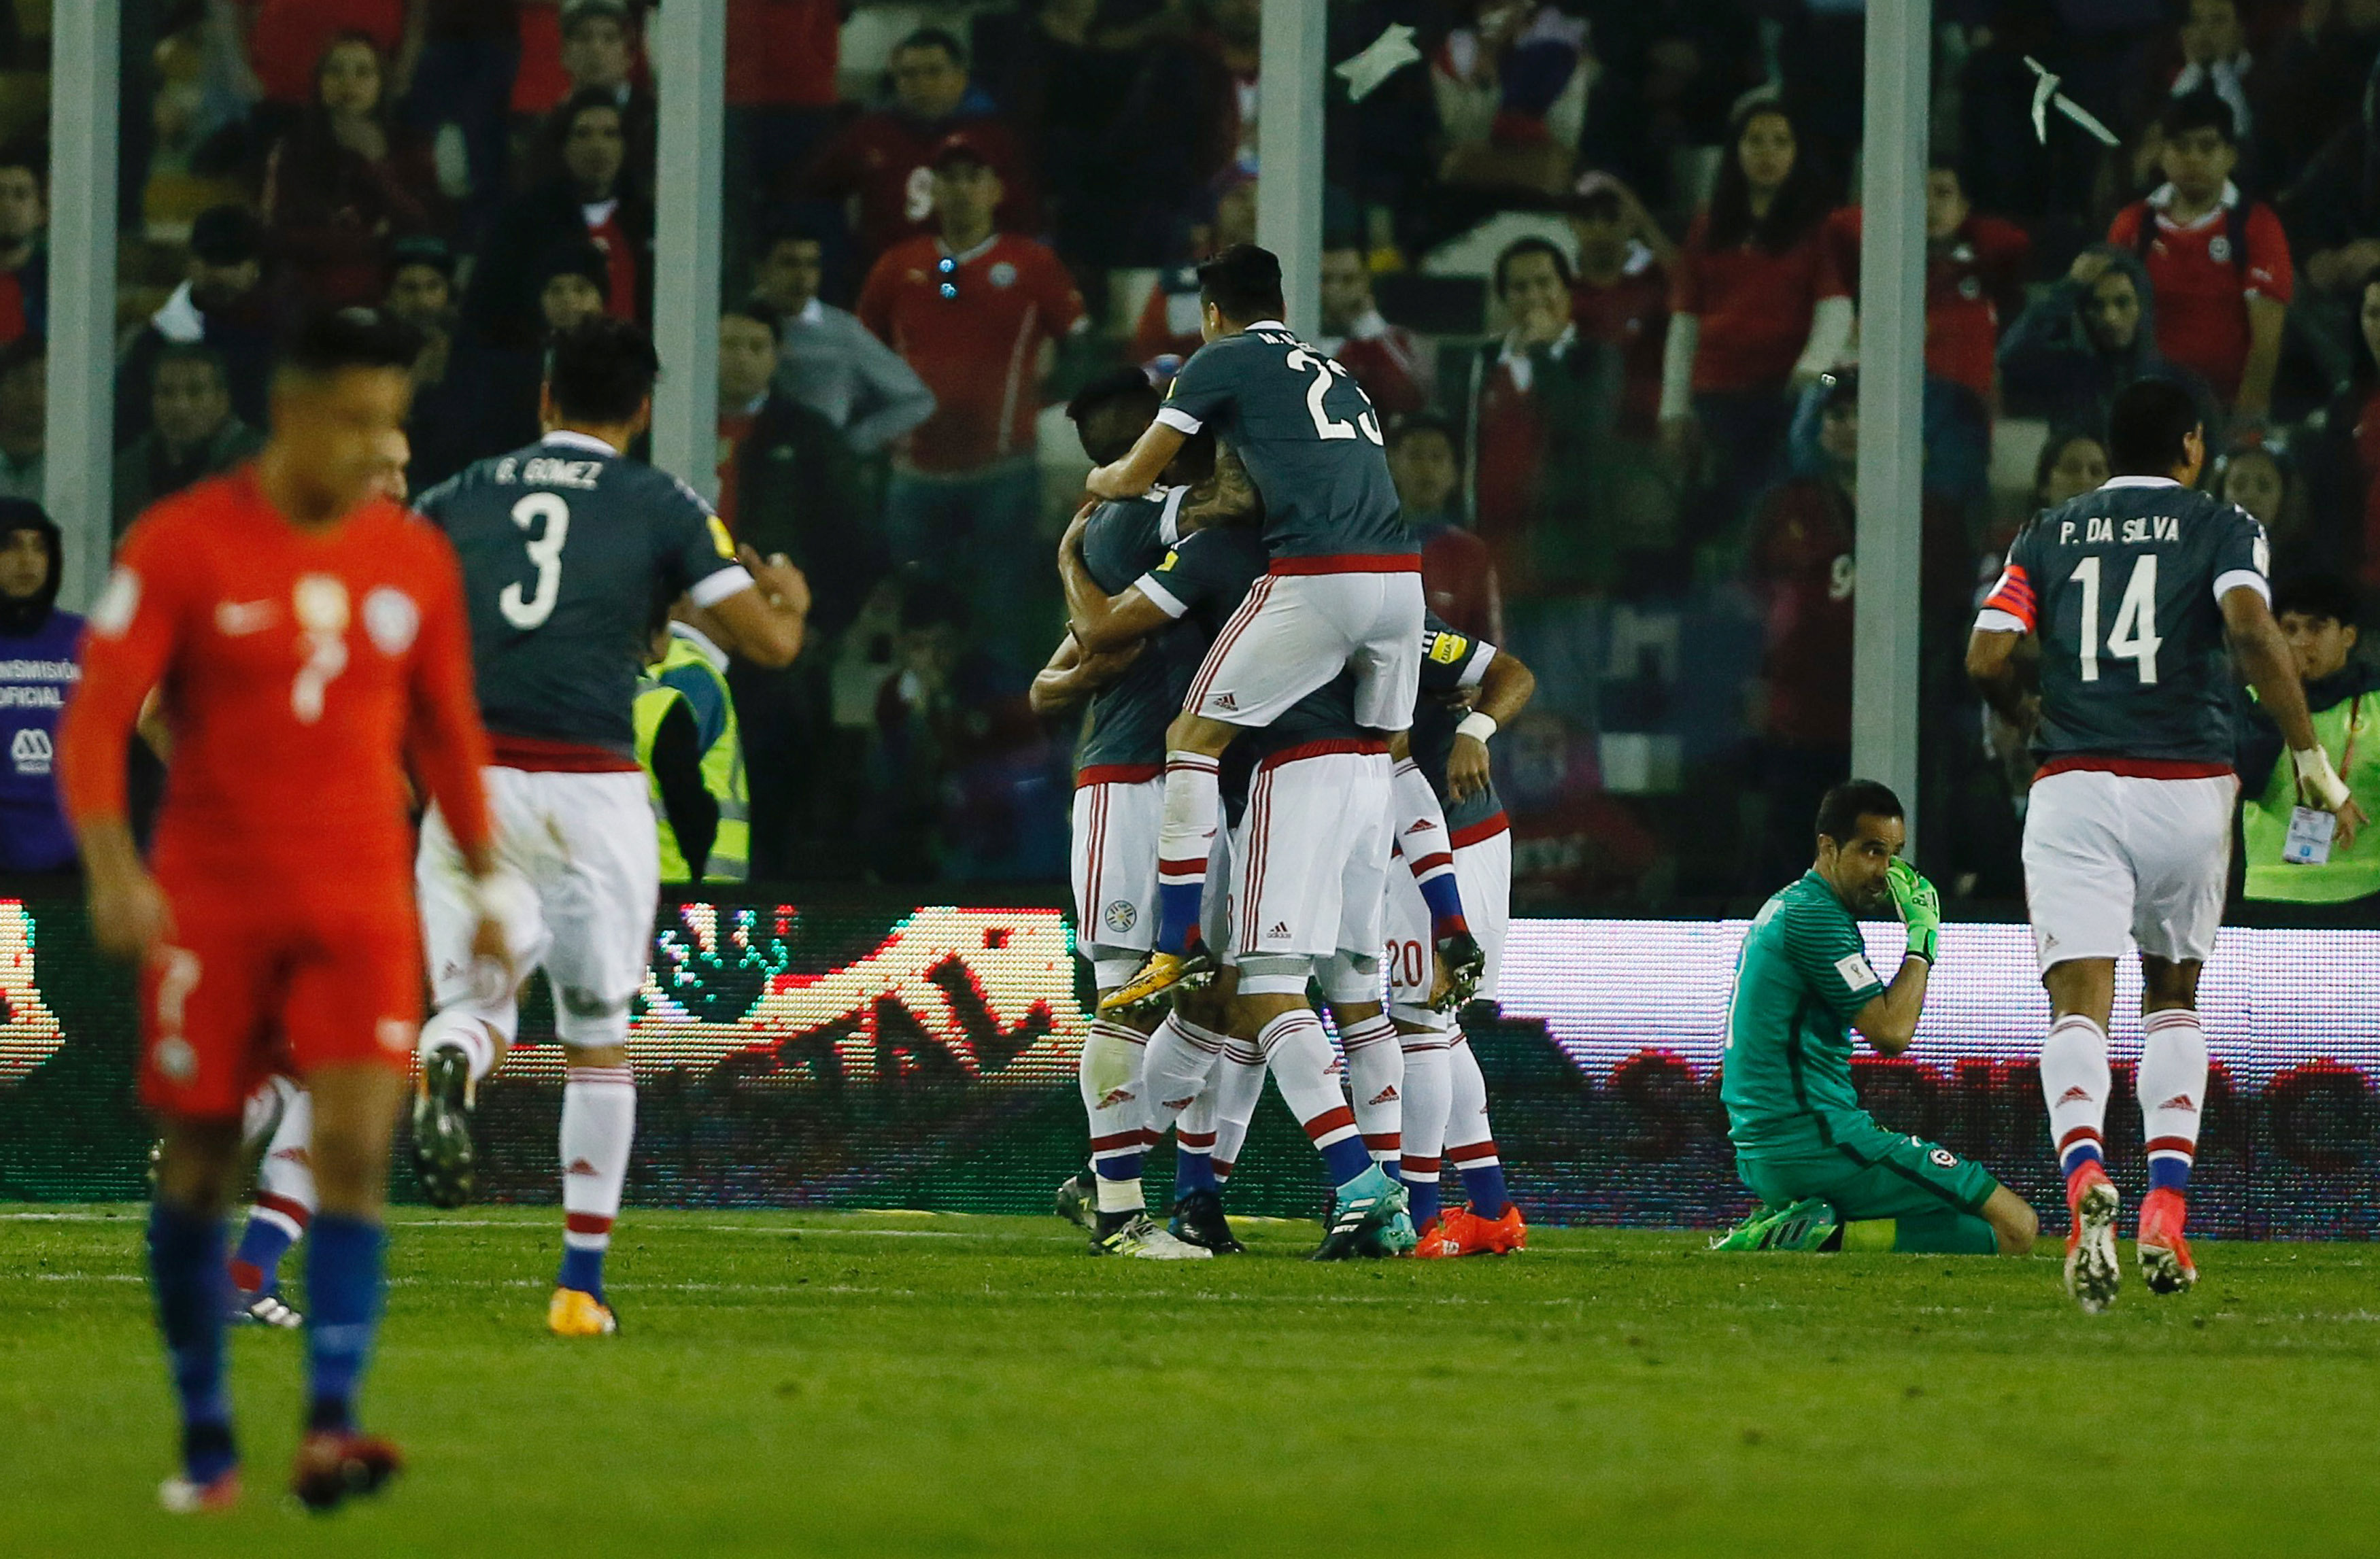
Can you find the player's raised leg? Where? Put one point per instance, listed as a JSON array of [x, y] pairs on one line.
[[286, 1200]]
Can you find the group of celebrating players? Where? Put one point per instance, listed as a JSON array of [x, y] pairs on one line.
[[1246, 621], [1284, 787]]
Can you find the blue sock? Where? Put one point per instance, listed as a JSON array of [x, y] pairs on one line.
[[261, 1246], [2082, 1153], [185, 1265], [1444, 898], [1347, 1158], [2169, 1171], [1421, 1195], [343, 1286], [582, 1269], [1192, 1172], [1483, 1186], [1177, 914]]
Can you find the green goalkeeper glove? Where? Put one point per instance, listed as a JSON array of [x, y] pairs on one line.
[[1920, 904]]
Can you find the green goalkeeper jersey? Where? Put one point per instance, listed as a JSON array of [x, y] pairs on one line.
[[1801, 976]]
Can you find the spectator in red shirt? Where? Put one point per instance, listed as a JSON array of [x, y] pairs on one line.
[[1621, 298], [1975, 269], [2218, 264], [1541, 398], [587, 202], [343, 183], [1458, 573], [1391, 362], [882, 161], [1757, 310], [977, 313]]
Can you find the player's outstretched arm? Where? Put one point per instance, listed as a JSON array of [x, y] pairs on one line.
[[1139, 470], [766, 623], [2263, 657]]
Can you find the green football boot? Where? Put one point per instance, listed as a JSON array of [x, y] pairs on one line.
[[1807, 1224]]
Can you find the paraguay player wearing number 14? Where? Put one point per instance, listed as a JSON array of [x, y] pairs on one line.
[[2132, 592], [566, 546]]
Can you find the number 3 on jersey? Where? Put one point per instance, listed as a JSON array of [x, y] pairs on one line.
[[528, 612], [2135, 634], [1325, 424]]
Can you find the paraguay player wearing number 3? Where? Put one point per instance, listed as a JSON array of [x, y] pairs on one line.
[[566, 545], [2132, 592]]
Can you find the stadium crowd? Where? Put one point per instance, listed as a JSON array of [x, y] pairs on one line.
[[1593, 259]]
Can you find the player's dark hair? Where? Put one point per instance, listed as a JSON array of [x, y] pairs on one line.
[[602, 370], [1243, 281], [759, 311], [1846, 803], [1129, 385], [2201, 110], [329, 341], [934, 37], [1520, 247], [2316, 594], [2147, 426]]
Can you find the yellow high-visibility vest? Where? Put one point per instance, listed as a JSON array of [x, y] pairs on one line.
[[689, 674]]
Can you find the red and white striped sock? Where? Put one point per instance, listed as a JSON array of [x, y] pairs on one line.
[[1376, 1075], [1239, 1088], [599, 1126], [2074, 1083], [2172, 1088], [1299, 1054]]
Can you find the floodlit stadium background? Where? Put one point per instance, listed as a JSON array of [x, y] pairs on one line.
[[857, 1055]]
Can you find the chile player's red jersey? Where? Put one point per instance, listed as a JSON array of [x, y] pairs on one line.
[[298, 671]]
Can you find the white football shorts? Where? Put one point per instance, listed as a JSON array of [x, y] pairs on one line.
[[1309, 868], [1482, 874], [2108, 856], [584, 847], [1295, 632], [1115, 873]]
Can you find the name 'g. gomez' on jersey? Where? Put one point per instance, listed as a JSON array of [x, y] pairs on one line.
[[2124, 588]]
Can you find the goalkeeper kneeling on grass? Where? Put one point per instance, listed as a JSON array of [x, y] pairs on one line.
[[1828, 1177]]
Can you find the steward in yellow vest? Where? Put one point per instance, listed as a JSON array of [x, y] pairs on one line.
[[692, 751], [2317, 616]]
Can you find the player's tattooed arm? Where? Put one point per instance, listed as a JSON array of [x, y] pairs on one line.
[[1098, 621], [1228, 497]]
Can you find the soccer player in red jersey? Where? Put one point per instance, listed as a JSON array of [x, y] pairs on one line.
[[308, 635]]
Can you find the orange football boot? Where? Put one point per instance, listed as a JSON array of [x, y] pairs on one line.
[[2166, 1266], [1475, 1236]]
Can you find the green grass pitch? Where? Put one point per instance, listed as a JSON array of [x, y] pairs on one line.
[[898, 1384]]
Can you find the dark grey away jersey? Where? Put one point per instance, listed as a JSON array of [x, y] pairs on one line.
[[1309, 436], [566, 546], [2124, 588]]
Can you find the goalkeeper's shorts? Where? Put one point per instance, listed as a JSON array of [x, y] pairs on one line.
[[1868, 1172]]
